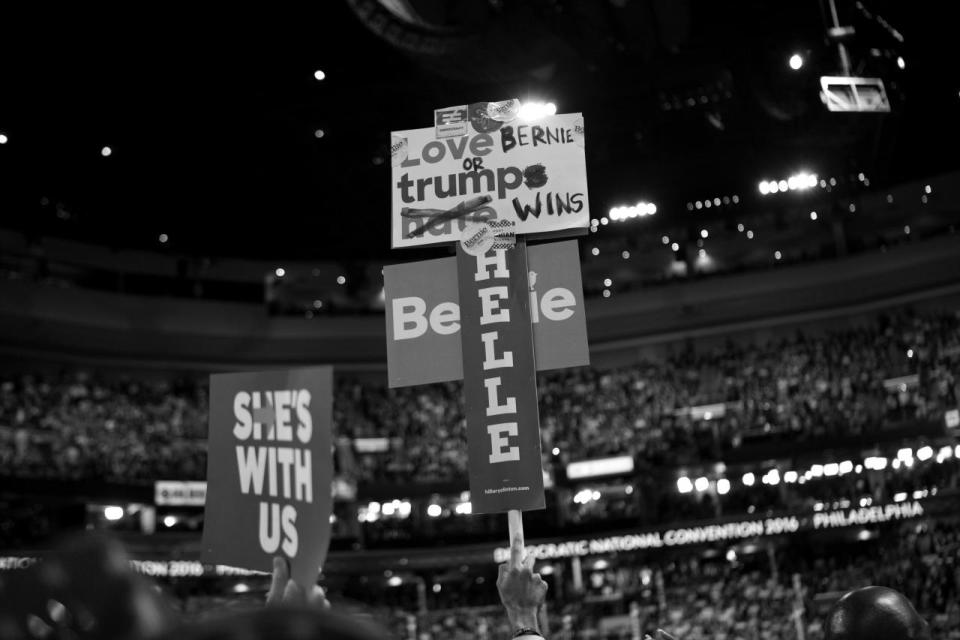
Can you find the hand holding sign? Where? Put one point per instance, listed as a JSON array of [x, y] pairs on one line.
[[522, 591], [285, 592]]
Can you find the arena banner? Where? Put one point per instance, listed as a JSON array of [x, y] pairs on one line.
[[269, 470], [499, 382], [179, 493], [726, 531], [423, 315], [483, 162]]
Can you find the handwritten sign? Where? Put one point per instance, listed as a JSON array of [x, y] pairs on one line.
[[530, 173]]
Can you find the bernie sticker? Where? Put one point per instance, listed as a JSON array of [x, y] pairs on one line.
[[477, 238], [451, 122], [398, 150], [504, 111], [577, 133]]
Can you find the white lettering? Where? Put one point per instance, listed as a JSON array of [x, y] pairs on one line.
[[498, 441]]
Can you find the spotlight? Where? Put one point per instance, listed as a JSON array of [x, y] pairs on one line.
[[113, 513], [3, 138], [106, 151], [530, 111], [901, 62], [319, 75], [434, 511], [796, 61], [684, 485]]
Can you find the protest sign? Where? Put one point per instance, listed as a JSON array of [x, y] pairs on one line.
[[492, 166], [423, 315], [499, 382], [269, 470]]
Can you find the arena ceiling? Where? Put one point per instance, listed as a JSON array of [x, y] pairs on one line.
[[212, 117]]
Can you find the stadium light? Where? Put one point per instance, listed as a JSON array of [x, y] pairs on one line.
[[434, 511], [169, 521], [924, 453], [684, 485], [790, 477], [113, 513], [748, 479], [531, 111], [395, 581], [629, 212], [3, 138], [464, 508], [877, 463], [846, 467], [796, 62], [723, 486], [701, 484], [831, 469], [319, 75]]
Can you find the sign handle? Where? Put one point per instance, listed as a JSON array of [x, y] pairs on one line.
[[515, 526]]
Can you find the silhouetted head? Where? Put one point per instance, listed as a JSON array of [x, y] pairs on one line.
[[280, 624], [875, 613]]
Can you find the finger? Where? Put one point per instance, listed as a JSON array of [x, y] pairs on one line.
[[293, 593], [503, 571], [318, 598], [281, 574], [528, 561], [516, 553]]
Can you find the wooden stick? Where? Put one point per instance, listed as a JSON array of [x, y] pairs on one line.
[[515, 526]]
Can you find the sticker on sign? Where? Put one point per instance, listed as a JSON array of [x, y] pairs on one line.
[[532, 174]]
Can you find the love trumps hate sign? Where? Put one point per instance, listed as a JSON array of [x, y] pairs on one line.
[[270, 470]]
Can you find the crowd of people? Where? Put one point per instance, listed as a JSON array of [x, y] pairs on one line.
[[807, 386], [730, 597]]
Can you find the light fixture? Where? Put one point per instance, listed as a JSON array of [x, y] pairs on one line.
[[3, 138], [748, 479], [684, 485], [169, 521], [106, 151], [434, 511], [813, 215], [723, 486], [701, 484], [530, 111], [319, 75], [113, 513], [796, 61], [163, 238], [280, 272], [639, 210], [319, 133], [704, 234], [341, 280], [901, 62]]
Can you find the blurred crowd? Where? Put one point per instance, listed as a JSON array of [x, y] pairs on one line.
[[700, 599], [808, 386]]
